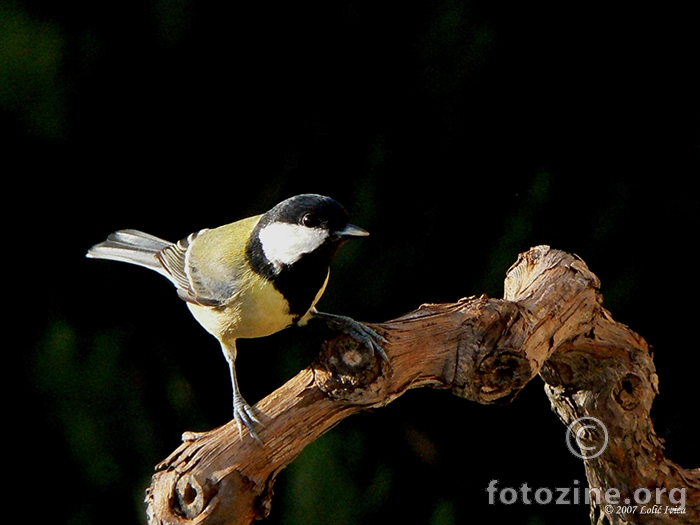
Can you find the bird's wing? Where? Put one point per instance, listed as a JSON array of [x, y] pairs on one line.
[[208, 266], [175, 260]]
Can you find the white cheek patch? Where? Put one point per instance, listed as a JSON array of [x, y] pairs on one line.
[[285, 243]]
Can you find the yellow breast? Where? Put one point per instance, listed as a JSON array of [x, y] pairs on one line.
[[254, 312]]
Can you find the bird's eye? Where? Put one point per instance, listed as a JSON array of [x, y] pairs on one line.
[[310, 220]]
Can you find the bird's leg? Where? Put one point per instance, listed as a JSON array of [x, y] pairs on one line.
[[242, 411], [358, 331]]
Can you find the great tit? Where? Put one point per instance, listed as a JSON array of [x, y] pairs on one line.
[[253, 277]]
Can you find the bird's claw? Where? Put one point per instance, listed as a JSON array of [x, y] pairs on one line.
[[359, 332], [245, 417]]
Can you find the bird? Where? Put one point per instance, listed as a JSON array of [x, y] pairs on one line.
[[253, 277]]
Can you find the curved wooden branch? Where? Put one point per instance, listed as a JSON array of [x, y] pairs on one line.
[[550, 322]]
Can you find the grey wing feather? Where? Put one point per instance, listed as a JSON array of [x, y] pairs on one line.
[[167, 258], [174, 259], [131, 246]]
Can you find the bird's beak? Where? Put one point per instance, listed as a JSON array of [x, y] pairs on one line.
[[352, 231]]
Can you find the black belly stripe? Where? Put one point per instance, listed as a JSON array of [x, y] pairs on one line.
[[300, 282]]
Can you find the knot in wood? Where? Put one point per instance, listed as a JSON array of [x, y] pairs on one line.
[[191, 497], [500, 376], [491, 365], [629, 391], [345, 369]]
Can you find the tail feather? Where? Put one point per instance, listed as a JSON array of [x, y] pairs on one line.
[[131, 246]]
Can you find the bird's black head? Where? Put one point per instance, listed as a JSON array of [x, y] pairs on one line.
[[302, 225], [314, 212], [293, 244]]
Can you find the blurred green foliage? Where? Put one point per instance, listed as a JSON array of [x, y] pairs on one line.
[[31, 52]]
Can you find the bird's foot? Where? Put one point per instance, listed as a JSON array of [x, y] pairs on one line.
[[359, 332], [245, 417]]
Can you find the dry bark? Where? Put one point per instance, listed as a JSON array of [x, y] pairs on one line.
[[550, 322]]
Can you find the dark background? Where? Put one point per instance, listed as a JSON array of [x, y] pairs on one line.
[[459, 133]]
